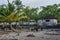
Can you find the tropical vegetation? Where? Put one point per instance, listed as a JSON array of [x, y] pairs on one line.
[[16, 11]]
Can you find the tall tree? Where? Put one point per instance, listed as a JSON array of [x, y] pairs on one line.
[[31, 13], [8, 13], [50, 10]]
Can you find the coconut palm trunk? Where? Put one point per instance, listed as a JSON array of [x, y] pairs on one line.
[[3, 24], [12, 29], [16, 24], [10, 25]]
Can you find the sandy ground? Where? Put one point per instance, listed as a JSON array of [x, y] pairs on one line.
[[38, 36]]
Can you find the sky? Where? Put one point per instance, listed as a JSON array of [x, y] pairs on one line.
[[34, 3]]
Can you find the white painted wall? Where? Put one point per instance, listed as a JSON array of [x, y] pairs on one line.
[[52, 22], [40, 22]]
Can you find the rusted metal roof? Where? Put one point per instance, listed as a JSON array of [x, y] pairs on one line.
[[50, 17]]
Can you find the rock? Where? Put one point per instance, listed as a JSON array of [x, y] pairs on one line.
[[30, 35]]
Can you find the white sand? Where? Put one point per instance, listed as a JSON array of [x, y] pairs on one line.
[[38, 36]]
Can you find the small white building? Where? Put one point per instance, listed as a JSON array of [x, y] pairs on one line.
[[40, 22], [48, 21]]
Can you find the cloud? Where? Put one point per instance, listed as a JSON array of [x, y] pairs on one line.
[[27, 1], [38, 3], [31, 3], [35, 3]]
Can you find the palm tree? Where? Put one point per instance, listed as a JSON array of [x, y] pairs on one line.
[[31, 13], [8, 13], [14, 13], [51, 10]]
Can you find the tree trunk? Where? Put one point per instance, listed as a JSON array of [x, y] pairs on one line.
[[16, 24], [3, 27], [3, 24], [12, 29], [10, 25]]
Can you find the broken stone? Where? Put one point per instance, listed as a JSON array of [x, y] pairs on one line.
[[30, 35]]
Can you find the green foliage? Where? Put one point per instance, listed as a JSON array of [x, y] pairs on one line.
[[31, 12], [50, 10], [8, 12], [12, 11]]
